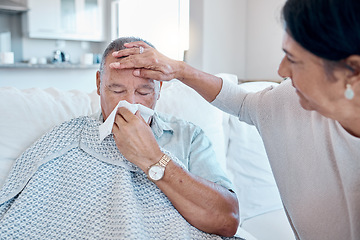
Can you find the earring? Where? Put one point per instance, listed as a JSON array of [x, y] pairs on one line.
[[349, 93]]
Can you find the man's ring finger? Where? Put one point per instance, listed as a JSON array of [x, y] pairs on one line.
[[141, 50]]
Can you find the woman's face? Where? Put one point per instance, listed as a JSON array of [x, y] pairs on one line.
[[317, 89]]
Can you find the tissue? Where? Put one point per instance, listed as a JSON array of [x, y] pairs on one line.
[[105, 129]]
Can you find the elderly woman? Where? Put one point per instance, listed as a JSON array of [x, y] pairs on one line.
[[310, 124]]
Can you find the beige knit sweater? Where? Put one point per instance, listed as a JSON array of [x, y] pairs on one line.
[[316, 163]]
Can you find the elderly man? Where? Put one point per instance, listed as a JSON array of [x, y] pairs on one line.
[[146, 180]]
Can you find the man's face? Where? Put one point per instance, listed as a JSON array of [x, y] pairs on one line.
[[116, 85]]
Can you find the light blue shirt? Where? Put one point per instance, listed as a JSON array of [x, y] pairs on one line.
[[190, 145]]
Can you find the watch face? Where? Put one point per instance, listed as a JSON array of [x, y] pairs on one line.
[[156, 172]]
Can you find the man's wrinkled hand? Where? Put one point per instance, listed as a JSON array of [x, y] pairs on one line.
[[135, 140]]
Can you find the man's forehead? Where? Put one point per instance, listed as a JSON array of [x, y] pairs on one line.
[[140, 85], [128, 71]]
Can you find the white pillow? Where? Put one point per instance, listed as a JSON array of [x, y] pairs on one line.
[[183, 102], [28, 114], [248, 166]]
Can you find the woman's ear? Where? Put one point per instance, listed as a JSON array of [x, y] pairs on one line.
[[98, 81]]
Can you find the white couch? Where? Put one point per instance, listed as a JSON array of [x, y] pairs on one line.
[[28, 114]]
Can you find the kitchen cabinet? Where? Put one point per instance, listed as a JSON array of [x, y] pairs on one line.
[[65, 19]]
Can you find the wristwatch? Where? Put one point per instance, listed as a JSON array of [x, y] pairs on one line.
[[157, 170]]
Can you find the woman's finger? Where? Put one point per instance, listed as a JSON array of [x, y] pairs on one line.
[[146, 60], [126, 52], [130, 62], [136, 44], [152, 74], [131, 49]]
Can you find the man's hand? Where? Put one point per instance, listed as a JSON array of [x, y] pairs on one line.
[[204, 204], [135, 140]]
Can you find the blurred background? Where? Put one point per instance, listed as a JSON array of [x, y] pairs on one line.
[[58, 43]]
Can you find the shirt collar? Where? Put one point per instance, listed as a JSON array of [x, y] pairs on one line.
[[97, 116], [159, 126]]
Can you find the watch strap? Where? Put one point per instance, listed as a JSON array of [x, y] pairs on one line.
[[164, 160]]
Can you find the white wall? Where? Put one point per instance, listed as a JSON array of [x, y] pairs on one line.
[[242, 37], [217, 30], [224, 42], [263, 39], [194, 56]]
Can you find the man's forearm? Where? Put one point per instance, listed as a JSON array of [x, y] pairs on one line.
[[206, 205]]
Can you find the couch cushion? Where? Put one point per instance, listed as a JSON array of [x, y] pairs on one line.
[[28, 114]]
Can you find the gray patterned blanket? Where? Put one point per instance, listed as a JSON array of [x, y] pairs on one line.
[[70, 186]]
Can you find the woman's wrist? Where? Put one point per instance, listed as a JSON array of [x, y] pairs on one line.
[[180, 70]]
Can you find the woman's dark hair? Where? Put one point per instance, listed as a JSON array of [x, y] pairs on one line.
[[329, 29]]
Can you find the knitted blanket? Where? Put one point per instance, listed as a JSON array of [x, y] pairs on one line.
[[70, 186]]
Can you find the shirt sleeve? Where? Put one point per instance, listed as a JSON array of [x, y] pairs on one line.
[[230, 98], [203, 163], [255, 108]]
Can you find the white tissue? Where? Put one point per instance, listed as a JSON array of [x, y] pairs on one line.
[[105, 129]]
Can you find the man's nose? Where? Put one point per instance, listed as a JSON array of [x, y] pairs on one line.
[[283, 70], [130, 98]]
